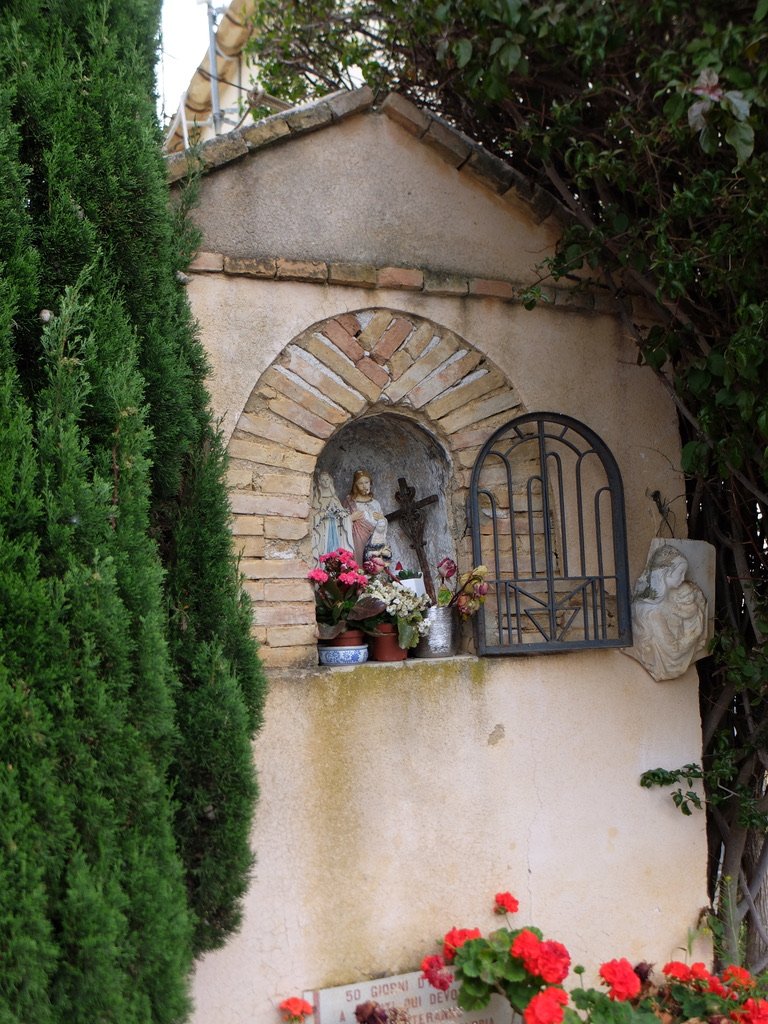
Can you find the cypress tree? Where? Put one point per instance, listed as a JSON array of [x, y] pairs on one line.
[[129, 686]]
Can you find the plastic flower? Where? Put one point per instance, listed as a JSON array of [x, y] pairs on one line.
[[295, 1009], [470, 592], [505, 903], [623, 983], [434, 971], [455, 939], [546, 1007]]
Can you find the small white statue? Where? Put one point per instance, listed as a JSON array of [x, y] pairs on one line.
[[369, 524], [331, 522], [669, 616]]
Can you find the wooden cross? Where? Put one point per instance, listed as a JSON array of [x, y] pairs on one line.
[[411, 520]]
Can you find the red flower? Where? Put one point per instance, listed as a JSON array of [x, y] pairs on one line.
[[754, 1011], [738, 977], [554, 962], [526, 947], [433, 968], [295, 1009], [677, 971], [455, 939], [621, 978], [505, 903], [546, 1007]]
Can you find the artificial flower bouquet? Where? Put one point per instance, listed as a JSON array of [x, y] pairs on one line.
[[529, 972], [397, 605], [470, 591], [340, 601]]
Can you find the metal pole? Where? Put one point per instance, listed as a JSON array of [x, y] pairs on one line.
[[215, 106]]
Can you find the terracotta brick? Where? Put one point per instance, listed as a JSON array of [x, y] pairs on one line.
[[319, 376], [269, 453], [372, 370], [284, 613], [406, 114], [272, 428], [250, 267], [343, 340], [491, 289], [262, 134], [464, 392], [267, 504], [299, 391], [289, 657], [443, 378], [437, 355], [285, 529], [291, 411], [207, 262], [444, 284], [391, 339], [292, 636], [407, 278], [289, 590], [249, 547], [334, 360], [360, 275], [374, 329], [419, 340], [247, 526], [399, 363], [274, 568], [449, 144], [478, 410], [349, 322], [269, 482], [301, 270]]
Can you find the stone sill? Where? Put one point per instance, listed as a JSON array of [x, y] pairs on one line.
[[408, 665]]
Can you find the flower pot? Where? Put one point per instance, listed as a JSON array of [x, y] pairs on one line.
[[356, 655], [440, 642], [384, 645], [349, 638]]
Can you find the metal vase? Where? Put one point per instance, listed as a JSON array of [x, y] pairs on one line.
[[440, 642]]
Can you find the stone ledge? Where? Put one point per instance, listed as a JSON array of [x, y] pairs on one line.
[[409, 279]]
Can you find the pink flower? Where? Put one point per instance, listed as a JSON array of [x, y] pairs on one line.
[[505, 903], [546, 1007], [621, 977], [446, 568], [317, 575]]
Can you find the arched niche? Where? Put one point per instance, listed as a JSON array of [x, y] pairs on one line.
[[390, 447]]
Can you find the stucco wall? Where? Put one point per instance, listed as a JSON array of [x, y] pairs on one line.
[[397, 800]]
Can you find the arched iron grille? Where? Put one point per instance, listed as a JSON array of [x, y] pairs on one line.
[[547, 516]]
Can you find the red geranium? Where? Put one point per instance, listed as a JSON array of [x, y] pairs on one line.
[[677, 971], [433, 968], [554, 962], [505, 903], [621, 978], [754, 1011], [455, 939], [526, 947], [738, 977], [295, 1009], [546, 1007]]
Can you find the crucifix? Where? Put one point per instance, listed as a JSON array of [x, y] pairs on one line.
[[411, 519]]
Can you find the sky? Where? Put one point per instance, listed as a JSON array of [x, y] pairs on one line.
[[185, 42]]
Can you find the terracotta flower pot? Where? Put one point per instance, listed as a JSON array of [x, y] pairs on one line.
[[349, 638], [384, 645]]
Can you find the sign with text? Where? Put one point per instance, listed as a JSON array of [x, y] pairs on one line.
[[410, 992]]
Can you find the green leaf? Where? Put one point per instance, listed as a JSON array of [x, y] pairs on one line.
[[742, 137], [462, 49], [760, 11]]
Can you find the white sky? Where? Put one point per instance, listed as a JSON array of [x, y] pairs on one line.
[[185, 42]]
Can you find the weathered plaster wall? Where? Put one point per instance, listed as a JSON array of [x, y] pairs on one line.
[[397, 800]]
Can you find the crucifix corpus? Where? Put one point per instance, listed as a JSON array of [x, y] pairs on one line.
[[410, 518]]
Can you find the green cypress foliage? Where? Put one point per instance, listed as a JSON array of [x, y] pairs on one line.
[[129, 685]]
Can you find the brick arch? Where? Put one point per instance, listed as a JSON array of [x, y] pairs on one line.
[[333, 372]]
